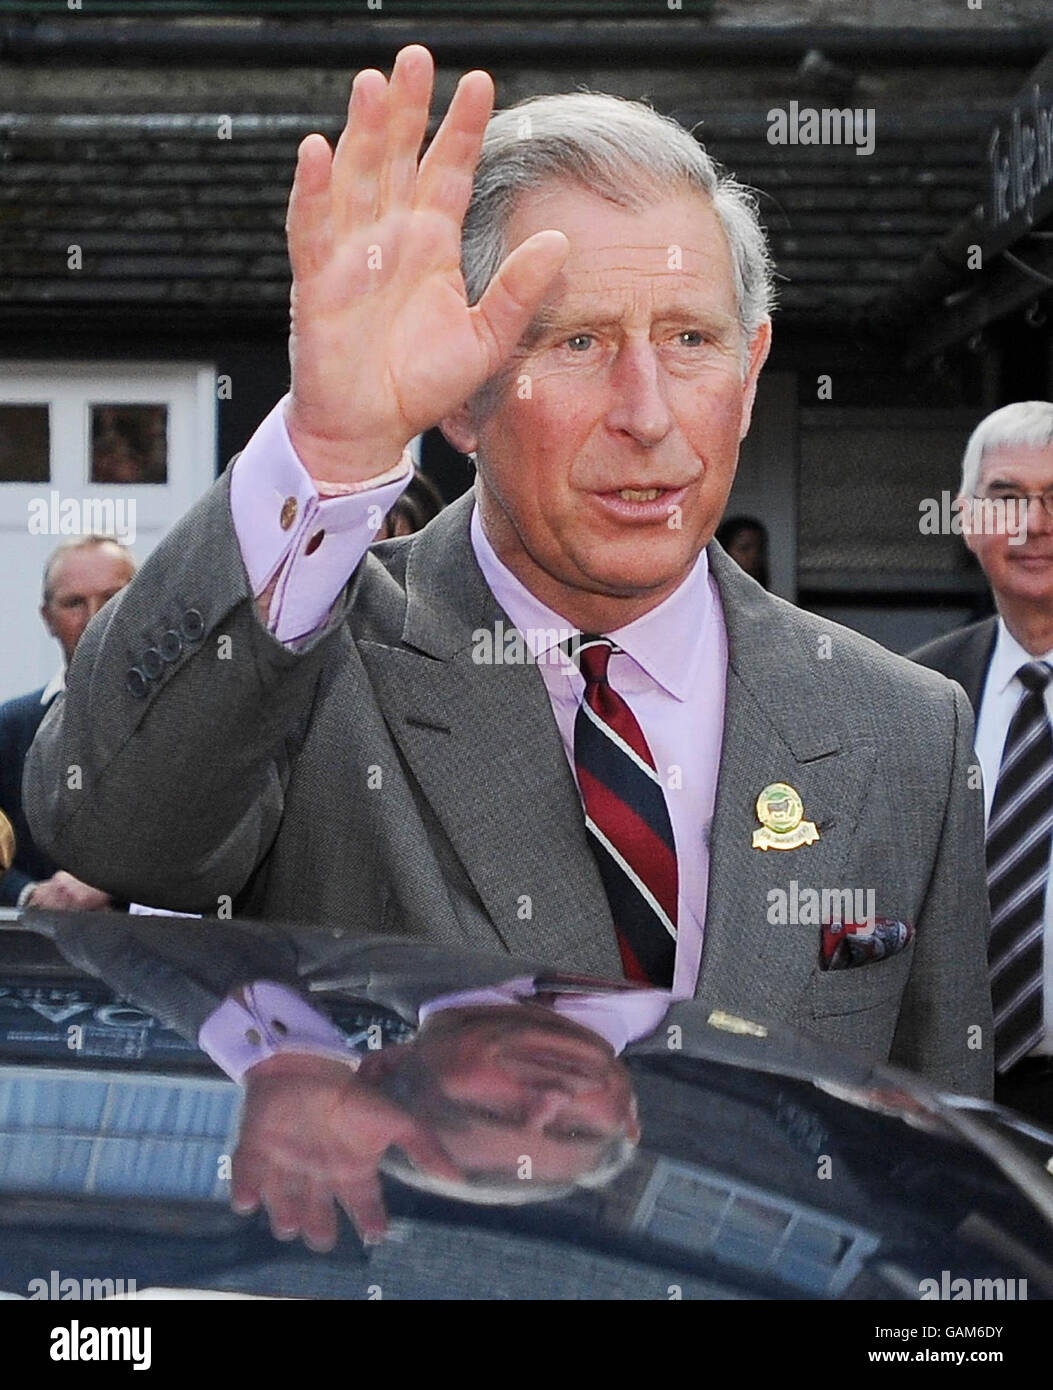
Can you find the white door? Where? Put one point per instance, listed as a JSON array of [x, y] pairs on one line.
[[121, 448]]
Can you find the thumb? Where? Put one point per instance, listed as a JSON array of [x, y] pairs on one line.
[[516, 292], [422, 1148]]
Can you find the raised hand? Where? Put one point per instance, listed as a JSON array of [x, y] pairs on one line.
[[383, 343], [312, 1137]]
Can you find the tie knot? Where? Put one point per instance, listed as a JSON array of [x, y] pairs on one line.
[[1035, 676], [592, 654]]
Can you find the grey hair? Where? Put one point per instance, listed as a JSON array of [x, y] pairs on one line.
[[494, 1191], [621, 150], [80, 543], [1026, 423]]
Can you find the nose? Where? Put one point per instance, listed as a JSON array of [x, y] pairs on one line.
[[546, 1103], [638, 405], [95, 602]]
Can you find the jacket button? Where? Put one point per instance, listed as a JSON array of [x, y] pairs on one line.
[[136, 683], [150, 663], [288, 512], [170, 645], [193, 625]]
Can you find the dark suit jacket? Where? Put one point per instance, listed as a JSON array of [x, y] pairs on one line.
[[963, 656], [19, 720], [380, 781]]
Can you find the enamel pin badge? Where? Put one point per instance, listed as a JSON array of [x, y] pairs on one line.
[[781, 814]]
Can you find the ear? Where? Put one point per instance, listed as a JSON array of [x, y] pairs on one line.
[[459, 430], [964, 508], [760, 346], [45, 613], [632, 1129]]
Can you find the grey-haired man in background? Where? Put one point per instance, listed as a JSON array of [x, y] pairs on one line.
[[1005, 664], [79, 577]]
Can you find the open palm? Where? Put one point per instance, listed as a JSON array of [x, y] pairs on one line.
[[383, 341]]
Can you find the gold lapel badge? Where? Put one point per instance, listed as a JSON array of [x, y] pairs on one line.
[[780, 811]]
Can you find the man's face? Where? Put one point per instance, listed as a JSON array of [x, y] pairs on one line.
[[1020, 571], [523, 1081], [608, 445], [81, 582]]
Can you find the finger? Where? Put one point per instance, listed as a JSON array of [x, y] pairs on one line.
[[360, 152], [247, 1176], [364, 1205], [516, 292], [307, 226], [246, 1193], [319, 1225], [444, 183], [409, 101], [285, 1199]]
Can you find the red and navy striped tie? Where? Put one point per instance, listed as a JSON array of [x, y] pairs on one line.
[[627, 820]]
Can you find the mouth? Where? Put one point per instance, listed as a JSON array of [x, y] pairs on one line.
[[638, 503]]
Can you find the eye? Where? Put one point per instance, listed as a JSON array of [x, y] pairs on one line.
[[581, 342], [575, 1134], [691, 337]]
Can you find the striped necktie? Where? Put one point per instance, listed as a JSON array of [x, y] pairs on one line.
[[627, 820], [1019, 834]]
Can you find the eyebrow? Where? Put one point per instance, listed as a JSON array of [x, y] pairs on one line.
[[1014, 483], [466, 1110], [548, 321]]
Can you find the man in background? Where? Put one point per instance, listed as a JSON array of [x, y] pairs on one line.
[[79, 577], [1005, 664]]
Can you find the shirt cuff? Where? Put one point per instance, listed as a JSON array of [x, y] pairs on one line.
[[272, 1019], [27, 888], [313, 535]]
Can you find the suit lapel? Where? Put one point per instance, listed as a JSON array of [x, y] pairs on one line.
[[976, 661], [774, 731], [482, 742]]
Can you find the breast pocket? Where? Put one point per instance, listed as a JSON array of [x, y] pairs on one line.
[[877, 985]]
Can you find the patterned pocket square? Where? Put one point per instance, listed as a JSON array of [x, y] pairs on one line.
[[848, 944]]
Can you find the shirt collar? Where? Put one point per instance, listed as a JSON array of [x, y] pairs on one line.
[[667, 643], [1007, 659], [54, 686]]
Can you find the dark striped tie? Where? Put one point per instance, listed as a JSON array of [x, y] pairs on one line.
[[1019, 834], [627, 820]]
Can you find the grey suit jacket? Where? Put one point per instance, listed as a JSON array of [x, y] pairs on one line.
[[378, 779]]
